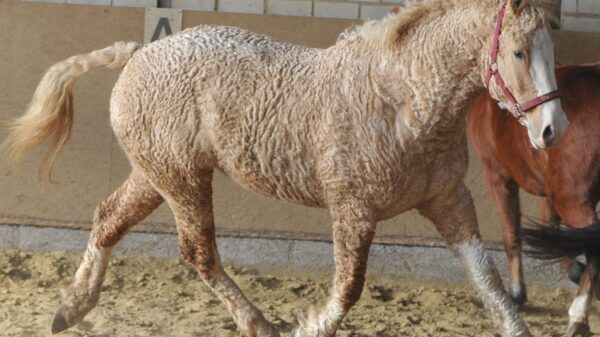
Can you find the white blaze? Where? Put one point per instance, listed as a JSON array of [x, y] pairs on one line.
[[542, 62], [544, 79]]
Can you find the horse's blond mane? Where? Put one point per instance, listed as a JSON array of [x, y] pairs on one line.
[[393, 26]]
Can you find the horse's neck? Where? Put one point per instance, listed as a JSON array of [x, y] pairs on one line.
[[439, 68]]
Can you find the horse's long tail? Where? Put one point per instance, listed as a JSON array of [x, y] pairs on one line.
[[50, 113], [555, 244]]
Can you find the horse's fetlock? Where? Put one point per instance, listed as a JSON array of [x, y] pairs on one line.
[[519, 298], [79, 299]]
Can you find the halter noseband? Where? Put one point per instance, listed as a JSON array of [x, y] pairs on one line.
[[520, 109]]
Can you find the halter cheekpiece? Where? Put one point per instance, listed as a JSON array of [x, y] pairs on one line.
[[520, 109]]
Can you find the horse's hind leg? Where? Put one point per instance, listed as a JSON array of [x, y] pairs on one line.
[[577, 211], [129, 204], [454, 217], [191, 203], [574, 268]]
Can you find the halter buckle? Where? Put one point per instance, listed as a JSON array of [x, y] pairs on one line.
[[519, 115], [518, 109], [493, 67]]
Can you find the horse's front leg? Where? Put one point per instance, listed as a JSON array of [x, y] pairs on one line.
[[353, 231], [505, 192], [454, 217]]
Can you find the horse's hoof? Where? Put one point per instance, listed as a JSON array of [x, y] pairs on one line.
[[59, 324], [578, 329], [519, 297], [576, 272]]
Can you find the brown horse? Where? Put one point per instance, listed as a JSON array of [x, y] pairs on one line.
[[567, 177]]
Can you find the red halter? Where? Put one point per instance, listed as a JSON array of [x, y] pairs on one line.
[[520, 109]]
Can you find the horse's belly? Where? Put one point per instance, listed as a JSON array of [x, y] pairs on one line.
[[409, 195], [275, 177], [422, 178]]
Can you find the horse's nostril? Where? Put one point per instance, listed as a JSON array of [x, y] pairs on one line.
[[548, 134]]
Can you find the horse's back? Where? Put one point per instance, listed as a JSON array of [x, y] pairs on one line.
[[577, 158], [579, 86], [178, 79], [580, 98], [219, 97]]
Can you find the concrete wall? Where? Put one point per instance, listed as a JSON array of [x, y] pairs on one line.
[[33, 36], [340, 9], [581, 15], [577, 15], [287, 257]]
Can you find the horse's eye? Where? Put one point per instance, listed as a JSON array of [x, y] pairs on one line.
[[520, 55]]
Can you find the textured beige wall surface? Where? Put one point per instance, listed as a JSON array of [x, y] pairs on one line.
[[33, 36]]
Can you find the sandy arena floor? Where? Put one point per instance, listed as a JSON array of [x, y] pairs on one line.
[[152, 297]]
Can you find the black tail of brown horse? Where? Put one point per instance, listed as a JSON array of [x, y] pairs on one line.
[[560, 243]]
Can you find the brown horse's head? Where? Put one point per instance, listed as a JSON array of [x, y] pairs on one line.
[[521, 76]]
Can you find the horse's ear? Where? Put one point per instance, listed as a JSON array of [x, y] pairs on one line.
[[516, 6]]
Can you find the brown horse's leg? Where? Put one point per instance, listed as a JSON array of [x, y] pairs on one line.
[[580, 213], [193, 210], [574, 268], [506, 196], [353, 230], [454, 217], [129, 204]]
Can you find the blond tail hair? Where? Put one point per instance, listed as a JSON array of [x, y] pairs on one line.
[[50, 113]]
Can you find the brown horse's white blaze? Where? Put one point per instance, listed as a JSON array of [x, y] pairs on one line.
[[370, 127]]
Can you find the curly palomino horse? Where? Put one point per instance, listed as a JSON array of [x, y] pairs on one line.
[[368, 128], [566, 177]]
